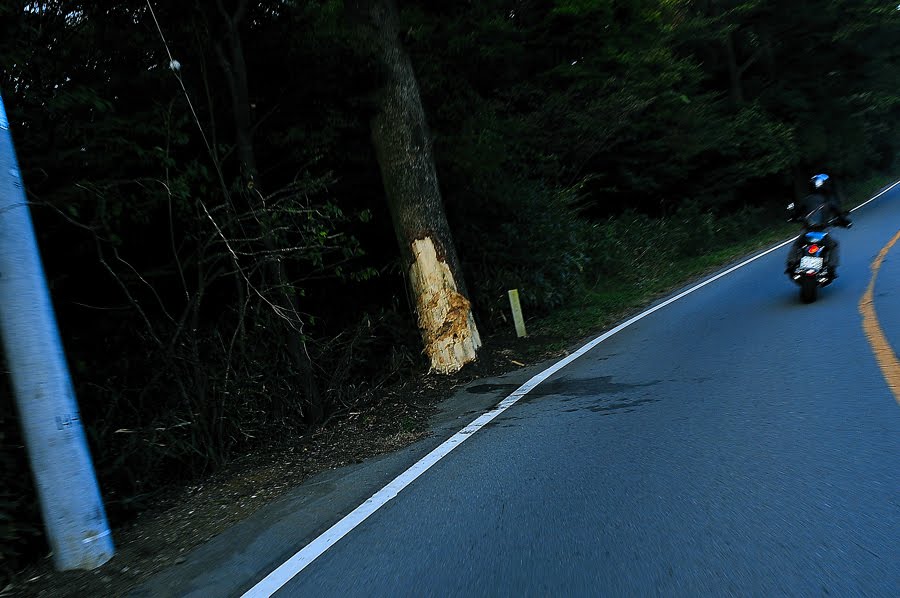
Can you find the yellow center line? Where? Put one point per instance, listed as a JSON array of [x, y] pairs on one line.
[[884, 354]]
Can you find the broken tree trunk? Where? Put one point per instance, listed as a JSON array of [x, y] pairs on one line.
[[402, 144]]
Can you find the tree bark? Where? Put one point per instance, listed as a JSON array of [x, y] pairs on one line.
[[403, 148], [235, 68], [768, 51], [736, 69], [736, 87]]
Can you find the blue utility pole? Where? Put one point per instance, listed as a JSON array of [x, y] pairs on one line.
[[73, 512]]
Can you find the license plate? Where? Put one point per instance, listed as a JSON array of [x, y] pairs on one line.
[[811, 263]]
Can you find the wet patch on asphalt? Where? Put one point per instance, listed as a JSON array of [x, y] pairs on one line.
[[565, 387], [482, 389], [599, 395]]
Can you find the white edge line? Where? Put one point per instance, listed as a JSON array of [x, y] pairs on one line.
[[275, 580], [874, 197]]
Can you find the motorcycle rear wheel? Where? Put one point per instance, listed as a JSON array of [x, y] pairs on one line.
[[808, 290]]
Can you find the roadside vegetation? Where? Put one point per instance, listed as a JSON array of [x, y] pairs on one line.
[[231, 246], [643, 278]]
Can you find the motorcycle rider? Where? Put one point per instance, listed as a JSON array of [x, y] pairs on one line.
[[817, 211]]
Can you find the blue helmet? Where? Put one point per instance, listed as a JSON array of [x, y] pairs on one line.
[[820, 183]]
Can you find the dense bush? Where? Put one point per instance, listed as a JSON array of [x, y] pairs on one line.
[[20, 535], [206, 311], [523, 235], [633, 246]]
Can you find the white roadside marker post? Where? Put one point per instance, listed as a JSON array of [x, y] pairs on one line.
[[517, 313]]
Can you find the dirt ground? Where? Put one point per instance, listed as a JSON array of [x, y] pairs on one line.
[[189, 516]]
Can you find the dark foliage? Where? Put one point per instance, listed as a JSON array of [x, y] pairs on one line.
[[568, 134]]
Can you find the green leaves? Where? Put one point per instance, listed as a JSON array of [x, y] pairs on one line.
[[562, 130], [579, 8]]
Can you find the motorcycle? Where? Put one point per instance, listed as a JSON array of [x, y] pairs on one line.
[[812, 271]]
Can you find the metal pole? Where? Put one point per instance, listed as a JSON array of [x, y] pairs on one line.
[[73, 512]]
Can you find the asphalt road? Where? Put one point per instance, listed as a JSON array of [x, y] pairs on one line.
[[735, 442]]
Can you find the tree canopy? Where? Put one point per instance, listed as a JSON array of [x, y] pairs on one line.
[[205, 187]]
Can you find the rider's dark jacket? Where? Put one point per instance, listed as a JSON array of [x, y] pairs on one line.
[[817, 210]]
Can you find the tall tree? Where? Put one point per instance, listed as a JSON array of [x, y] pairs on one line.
[[229, 50], [403, 147]]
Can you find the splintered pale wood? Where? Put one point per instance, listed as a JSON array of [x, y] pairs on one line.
[[445, 317]]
